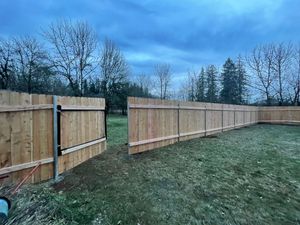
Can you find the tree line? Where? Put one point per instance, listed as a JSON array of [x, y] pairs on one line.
[[209, 85], [276, 72], [271, 72], [68, 60]]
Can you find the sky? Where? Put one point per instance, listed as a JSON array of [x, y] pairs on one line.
[[186, 34]]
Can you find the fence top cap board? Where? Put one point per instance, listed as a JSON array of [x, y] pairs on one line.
[[280, 107], [20, 98], [34, 94], [157, 101]]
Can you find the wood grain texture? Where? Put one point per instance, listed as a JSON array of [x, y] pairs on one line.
[[80, 127], [23, 166], [26, 133], [154, 123], [285, 114], [18, 108]]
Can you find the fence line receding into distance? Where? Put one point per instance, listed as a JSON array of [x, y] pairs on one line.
[[154, 123]]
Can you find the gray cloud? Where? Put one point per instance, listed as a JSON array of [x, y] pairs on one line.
[[186, 34]]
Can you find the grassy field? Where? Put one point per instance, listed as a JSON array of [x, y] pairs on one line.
[[117, 130], [245, 176]]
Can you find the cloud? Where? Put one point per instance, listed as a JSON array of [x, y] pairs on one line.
[[186, 34]]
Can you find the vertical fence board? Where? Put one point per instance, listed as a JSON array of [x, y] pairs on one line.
[[26, 134], [152, 127], [279, 115], [79, 127]]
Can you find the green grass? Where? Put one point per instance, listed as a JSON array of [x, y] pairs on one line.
[[245, 176], [116, 129]]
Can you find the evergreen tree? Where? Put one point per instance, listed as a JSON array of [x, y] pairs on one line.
[[211, 74], [192, 85], [93, 88], [241, 80], [85, 89], [200, 86], [230, 89]]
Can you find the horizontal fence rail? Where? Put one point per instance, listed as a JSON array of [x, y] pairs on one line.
[[154, 123], [30, 133], [280, 114]]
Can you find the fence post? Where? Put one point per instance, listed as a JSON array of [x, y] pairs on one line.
[[205, 121], [128, 124], [234, 117], [178, 121], [55, 143], [105, 122], [222, 117]]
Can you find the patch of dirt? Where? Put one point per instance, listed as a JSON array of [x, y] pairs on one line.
[[63, 186], [211, 136]]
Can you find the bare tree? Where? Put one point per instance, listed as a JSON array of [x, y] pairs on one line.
[[73, 48], [182, 93], [145, 81], [163, 75], [188, 88], [260, 62], [29, 62], [294, 77], [282, 61], [114, 71], [6, 64]]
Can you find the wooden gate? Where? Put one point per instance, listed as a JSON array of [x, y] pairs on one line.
[[56, 132]]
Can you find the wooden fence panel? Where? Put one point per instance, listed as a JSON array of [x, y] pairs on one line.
[[191, 120], [154, 123], [228, 117], [26, 133], [239, 117], [280, 114], [80, 127], [25, 136], [214, 118], [42, 137], [151, 127]]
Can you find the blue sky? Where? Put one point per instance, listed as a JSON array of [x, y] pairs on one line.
[[186, 34]]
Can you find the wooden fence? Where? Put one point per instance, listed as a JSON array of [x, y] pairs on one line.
[[280, 114], [153, 123], [56, 132], [62, 132]]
